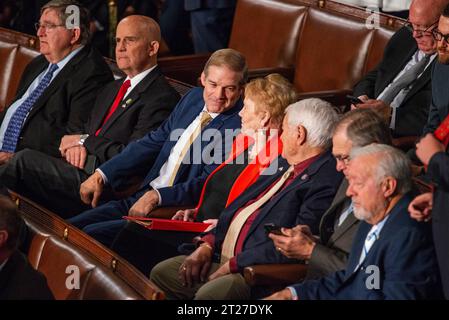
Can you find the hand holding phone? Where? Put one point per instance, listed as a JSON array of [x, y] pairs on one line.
[[354, 100], [272, 228]]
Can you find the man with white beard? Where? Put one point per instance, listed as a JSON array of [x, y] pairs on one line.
[[392, 256]]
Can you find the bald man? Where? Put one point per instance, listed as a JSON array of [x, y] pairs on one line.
[[406, 108], [125, 110]]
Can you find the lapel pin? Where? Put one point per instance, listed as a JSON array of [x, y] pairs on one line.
[[127, 103], [304, 176], [281, 168]]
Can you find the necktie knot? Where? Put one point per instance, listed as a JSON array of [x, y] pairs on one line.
[[205, 118], [125, 86]]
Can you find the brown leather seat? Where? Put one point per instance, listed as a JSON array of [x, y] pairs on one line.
[[55, 248]]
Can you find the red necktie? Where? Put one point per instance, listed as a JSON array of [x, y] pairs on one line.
[[442, 132], [121, 93]]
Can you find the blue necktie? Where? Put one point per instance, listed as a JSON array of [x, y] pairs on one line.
[[12, 132], [369, 241]]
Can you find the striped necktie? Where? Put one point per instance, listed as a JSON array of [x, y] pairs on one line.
[[369, 241], [14, 128], [205, 118]]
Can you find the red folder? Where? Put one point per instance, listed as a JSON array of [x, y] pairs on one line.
[[169, 225], [442, 132]]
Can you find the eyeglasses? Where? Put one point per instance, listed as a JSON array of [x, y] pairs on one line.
[[47, 26], [343, 158], [438, 36], [427, 31]]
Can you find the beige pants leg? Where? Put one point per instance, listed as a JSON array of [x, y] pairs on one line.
[[231, 286], [165, 276]]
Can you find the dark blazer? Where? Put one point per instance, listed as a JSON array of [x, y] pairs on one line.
[[404, 254], [439, 108], [19, 281], [438, 171], [302, 202], [66, 103], [412, 114], [152, 101], [146, 156], [331, 253]]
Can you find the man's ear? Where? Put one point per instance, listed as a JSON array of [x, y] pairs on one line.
[[76, 35], [389, 186], [302, 135], [154, 48], [3, 238], [203, 79]]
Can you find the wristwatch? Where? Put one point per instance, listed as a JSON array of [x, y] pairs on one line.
[[83, 138]]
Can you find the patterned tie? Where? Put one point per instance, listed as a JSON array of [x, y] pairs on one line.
[[369, 241], [12, 132], [405, 80], [230, 240], [205, 118], [121, 93]]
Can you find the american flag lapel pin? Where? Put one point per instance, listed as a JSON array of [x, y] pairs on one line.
[[127, 103]]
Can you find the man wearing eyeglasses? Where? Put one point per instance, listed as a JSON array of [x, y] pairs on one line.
[[399, 88], [58, 88], [433, 154]]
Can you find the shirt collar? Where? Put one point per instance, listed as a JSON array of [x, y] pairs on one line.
[[213, 115], [139, 77], [303, 165], [61, 64]]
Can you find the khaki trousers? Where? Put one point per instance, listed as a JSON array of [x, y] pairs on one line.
[[228, 287]]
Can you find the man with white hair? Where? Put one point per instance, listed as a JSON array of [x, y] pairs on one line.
[[298, 193], [392, 256]]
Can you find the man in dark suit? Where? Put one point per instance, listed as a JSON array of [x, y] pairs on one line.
[[439, 108], [433, 154], [392, 256], [118, 117], [58, 88], [399, 88], [18, 279], [298, 193], [329, 253], [434, 205], [176, 158]]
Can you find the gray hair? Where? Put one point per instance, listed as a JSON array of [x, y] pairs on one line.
[[317, 116], [60, 7], [392, 163], [363, 127]]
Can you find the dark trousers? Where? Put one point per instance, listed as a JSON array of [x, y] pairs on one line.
[[104, 222], [145, 248], [49, 181]]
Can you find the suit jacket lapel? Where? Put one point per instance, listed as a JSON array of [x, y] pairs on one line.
[[420, 82], [340, 231], [57, 82], [301, 179], [133, 96], [397, 69]]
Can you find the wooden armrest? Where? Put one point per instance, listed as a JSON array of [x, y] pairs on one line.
[[186, 68], [274, 274], [287, 72], [336, 97], [166, 212], [405, 143], [422, 186]]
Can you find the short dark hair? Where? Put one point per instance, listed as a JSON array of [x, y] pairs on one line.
[[11, 221], [363, 127], [61, 5], [445, 12]]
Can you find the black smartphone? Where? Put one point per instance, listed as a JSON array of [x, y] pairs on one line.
[[272, 228], [353, 100]]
